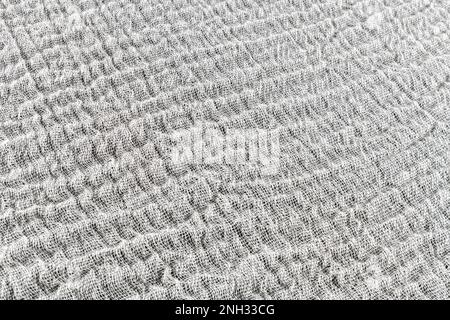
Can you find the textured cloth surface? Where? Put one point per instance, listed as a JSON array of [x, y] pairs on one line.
[[92, 91]]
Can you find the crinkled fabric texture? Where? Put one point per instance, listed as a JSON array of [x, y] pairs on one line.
[[92, 91]]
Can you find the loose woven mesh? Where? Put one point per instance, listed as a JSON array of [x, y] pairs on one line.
[[92, 207]]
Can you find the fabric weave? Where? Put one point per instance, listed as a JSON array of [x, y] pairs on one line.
[[92, 93]]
